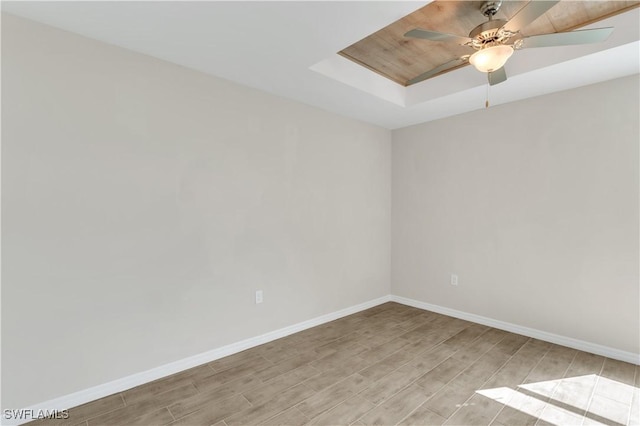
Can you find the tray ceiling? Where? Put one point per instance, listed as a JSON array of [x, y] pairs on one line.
[[398, 58]]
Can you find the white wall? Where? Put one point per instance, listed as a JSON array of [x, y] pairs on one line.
[[534, 205], [144, 203]]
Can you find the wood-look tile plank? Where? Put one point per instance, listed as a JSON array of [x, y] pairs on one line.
[[511, 343], [442, 373], [422, 416], [554, 415], [305, 372], [518, 416], [332, 396], [473, 350], [271, 388], [167, 383], [342, 344], [467, 335], [336, 359], [277, 351], [428, 343], [182, 407], [290, 417], [150, 408], [446, 401], [235, 360], [397, 408], [344, 413], [259, 413], [194, 373], [387, 364], [634, 413], [158, 417], [620, 371], [267, 373], [553, 365], [378, 353], [475, 376], [585, 363], [238, 385], [477, 410], [214, 412], [393, 382], [238, 371], [375, 337], [299, 360], [429, 331], [56, 422], [330, 377], [525, 404], [429, 360], [575, 393], [418, 319], [518, 367], [610, 389]]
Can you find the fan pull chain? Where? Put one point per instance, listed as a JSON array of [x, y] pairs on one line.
[[486, 103]]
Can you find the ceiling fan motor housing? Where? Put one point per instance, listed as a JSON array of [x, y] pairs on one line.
[[488, 33]]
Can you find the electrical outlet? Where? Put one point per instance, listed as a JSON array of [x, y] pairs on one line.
[[258, 296], [454, 279]]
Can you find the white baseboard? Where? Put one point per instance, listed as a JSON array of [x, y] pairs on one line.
[[525, 331], [120, 385]]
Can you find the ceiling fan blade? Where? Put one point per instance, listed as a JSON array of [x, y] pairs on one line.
[[497, 76], [436, 36], [532, 11], [568, 38], [436, 70]]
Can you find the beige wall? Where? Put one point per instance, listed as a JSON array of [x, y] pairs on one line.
[[144, 203], [534, 205]]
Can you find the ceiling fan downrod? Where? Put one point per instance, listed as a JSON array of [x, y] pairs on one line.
[[490, 8]]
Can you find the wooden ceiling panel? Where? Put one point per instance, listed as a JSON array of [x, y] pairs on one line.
[[400, 58], [561, 19], [598, 10]]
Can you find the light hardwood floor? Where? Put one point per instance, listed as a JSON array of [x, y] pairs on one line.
[[388, 365]]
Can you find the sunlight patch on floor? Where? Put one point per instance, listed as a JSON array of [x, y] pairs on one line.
[[589, 399]]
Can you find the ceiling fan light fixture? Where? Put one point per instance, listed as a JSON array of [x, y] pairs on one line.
[[491, 58]]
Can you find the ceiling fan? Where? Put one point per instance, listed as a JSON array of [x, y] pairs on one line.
[[497, 39]]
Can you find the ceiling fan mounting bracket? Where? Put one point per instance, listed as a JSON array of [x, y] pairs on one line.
[[490, 8]]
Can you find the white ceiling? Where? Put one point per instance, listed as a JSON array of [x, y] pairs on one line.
[[289, 49]]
